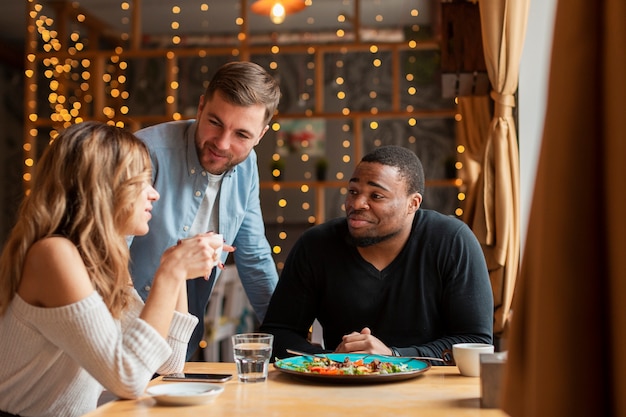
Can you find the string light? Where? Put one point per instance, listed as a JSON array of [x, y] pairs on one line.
[[277, 13], [175, 25], [277, 10], [73, 105]]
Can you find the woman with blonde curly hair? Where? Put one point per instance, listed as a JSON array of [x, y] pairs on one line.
[[70, 319]]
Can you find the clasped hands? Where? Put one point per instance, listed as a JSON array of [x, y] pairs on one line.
[[362, 342]]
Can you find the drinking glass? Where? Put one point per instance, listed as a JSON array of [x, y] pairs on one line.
[[252, 353]]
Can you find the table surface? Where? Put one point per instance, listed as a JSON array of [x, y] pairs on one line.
[[440, 391]]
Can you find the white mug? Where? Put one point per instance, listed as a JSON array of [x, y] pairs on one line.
[[467, 357]]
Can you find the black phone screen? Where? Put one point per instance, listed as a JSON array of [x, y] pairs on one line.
[[197, 377]]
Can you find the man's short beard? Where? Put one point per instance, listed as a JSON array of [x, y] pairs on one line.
[[363, 242]]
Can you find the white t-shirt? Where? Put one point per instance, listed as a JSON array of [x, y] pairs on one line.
[[207, 219]]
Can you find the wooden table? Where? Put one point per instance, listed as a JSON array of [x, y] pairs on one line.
[[441, 391]]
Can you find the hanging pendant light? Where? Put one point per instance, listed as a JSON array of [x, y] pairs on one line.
[[277, 10]]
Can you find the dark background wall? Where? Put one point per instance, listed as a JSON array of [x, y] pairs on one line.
[[11, 137]]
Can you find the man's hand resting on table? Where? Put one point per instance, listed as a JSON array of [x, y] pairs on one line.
[[363, 342]]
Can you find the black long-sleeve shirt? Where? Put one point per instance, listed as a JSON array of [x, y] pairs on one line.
[[435, 293]]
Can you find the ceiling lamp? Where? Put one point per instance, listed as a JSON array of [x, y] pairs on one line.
[[277, 9]]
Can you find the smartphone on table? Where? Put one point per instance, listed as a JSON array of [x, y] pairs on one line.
[[194, 377]]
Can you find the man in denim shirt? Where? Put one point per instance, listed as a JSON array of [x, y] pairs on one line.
[[206, 173]]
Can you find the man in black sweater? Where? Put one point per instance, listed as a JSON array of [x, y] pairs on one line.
[[390, 278]]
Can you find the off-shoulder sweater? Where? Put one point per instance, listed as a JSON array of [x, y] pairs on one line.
[[56, 361]]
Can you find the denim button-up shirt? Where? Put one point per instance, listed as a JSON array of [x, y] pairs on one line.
[[181, 182]]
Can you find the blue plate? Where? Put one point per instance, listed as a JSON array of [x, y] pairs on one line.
[[292, 366]]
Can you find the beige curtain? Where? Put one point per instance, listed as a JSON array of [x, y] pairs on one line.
[[567, 353], [471, 132], [493, 212]]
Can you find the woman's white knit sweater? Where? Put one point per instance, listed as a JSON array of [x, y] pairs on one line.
[[55, 361]]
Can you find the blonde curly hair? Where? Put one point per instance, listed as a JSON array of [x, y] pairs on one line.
[[85, 186]]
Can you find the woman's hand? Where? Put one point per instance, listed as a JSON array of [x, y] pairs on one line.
[[194, 257], [190, 258]]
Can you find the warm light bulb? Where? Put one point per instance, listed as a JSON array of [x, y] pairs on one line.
[[277, 14]]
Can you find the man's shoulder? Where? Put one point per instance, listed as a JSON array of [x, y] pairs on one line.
[[435, 216], [165, 134], [432, 218]]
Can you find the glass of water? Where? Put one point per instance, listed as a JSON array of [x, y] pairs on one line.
[[252, 353]]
